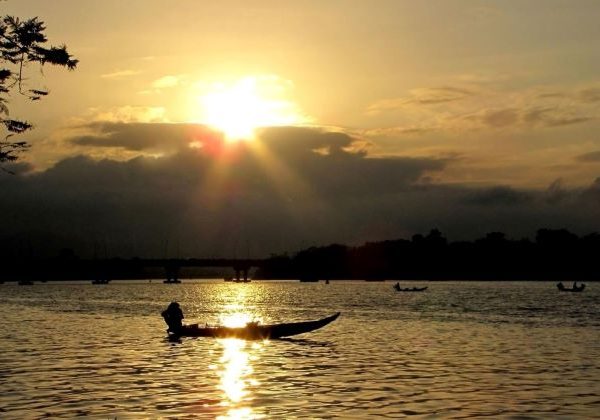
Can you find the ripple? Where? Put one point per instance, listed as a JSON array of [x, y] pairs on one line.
[[461, 350]]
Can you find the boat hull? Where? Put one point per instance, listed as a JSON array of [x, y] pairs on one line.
[[414, 289], [574, 289], [255, 331]]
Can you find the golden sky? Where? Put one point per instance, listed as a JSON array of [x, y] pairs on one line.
[[509, 86], [483, 93]]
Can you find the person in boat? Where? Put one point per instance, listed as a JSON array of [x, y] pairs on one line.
[[173, 316], [560, 286]]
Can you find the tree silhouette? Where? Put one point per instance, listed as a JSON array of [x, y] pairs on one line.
[[23, 42]]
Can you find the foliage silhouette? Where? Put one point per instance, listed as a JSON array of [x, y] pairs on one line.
[[555, 254], [23, 42]]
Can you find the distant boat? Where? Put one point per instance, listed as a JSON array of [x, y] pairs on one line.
[[255, 331], [562, 288], [100, 281], [409, 289], [172, 281], [25, 283], [327, 281]]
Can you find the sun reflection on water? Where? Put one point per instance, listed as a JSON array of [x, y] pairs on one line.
[[235, 376]]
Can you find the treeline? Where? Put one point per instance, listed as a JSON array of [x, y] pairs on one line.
[[555, 254]]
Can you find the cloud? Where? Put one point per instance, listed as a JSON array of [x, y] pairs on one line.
[[500, 118], [276, 194], [422, 96], [139, 136], [495, 196], [130, 113], [589, 157], [122, 74], [527, 117], [166, 82], [590, 95], [475, 105]]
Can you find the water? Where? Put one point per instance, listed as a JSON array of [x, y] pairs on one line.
[[460, 349]]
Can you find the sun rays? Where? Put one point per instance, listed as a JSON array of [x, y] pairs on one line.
[[238, 108]]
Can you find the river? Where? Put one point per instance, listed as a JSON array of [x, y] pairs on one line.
[[459, 349]]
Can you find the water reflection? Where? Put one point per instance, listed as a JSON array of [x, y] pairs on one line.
[[236, 374], [235, 367]]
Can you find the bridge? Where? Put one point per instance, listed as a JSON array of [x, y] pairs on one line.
[[72, 268], [172, 266]]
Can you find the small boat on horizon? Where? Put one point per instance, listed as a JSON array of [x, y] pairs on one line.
[[25, 283], [172, 281], [409, 289], [100, 281], [253, 330], [575, 288]]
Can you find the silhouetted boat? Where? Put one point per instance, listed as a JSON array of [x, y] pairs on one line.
[[172, 281], [25, 282], [409, 289], [255, 331], [562, 288], [100, 281]]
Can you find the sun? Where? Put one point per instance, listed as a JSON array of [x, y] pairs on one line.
[[238, 108]]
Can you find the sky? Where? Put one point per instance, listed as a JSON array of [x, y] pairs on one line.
[[235, 128]]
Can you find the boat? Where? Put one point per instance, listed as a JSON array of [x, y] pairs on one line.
[[100, 281], [25, 283], [234, 280], [575, 288], [254, 330], [409, 289], [172, 281]]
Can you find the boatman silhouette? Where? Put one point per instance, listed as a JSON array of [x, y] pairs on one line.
[[173, 316]]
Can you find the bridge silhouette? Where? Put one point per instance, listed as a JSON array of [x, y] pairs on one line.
[[73, 268], [173, 266]]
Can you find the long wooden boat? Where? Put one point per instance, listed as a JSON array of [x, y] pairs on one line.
[[254, 331], [409, 289]]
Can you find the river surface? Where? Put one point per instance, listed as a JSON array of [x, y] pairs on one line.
[[458, 350]]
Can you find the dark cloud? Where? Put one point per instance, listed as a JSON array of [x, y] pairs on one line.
[[589, 157], [498, 196], [293, 188], [17, 168], [142, 136]]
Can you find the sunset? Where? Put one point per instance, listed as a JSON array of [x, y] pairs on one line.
[[329, 156]]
